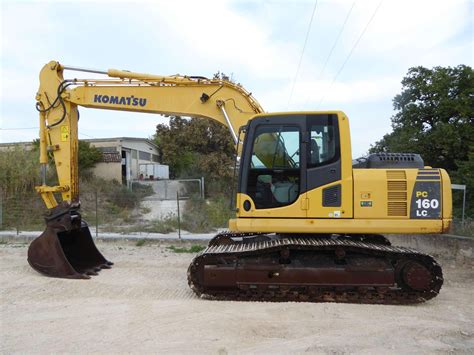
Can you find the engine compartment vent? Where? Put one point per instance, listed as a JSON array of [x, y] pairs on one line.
[[397, 209], [397, 205], [396, 185], [396, 175], [397, 195]]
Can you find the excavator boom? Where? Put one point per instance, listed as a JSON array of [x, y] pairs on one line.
[[66, 248], [58, 99]]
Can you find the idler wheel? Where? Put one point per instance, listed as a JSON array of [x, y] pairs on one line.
[[416, 276]]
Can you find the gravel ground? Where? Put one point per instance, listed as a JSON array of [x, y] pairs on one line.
[[143, 304]]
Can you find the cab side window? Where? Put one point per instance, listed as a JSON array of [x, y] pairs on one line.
[[323, 142], [274, 174]]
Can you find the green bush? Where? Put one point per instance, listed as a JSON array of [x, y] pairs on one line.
[[19, 174], [19, 171], [202, 216], [195, 218], [115, 203], [142, 190], [140, 242], [164, 226]]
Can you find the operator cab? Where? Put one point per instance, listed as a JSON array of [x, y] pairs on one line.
[[288, 154]]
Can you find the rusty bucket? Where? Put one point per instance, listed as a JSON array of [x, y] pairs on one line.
[[66, 248]]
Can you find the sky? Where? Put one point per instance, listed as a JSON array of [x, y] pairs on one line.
[[352, 57]]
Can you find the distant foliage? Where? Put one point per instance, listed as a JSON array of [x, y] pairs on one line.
[[20, 168], [23, 208], [19, 174], [435, 118], [222, 76], [197, 147], [89, 156], [19, 171], [201, 216], [117, 202]]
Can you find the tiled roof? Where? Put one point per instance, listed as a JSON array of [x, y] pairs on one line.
[[111, 157]]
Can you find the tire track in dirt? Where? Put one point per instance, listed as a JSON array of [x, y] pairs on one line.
[[143, 304]]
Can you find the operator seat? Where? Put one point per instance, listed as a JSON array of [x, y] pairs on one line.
[[314, 152]]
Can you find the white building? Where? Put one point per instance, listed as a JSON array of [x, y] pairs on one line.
[[126, 159]]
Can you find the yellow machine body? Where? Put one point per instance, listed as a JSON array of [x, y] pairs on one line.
[[372, 201], [331, 198], [375, 201]]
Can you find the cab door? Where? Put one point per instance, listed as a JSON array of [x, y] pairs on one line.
[[273, 173], [328, 180]]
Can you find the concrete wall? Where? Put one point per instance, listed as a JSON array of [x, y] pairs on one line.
[[109, 171], [449, 246], [11, 146]]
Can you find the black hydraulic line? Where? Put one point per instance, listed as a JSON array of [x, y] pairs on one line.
[[61, 87], [59, 91]]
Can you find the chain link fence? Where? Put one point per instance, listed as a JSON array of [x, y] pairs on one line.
[[148, 207], [21, 213]]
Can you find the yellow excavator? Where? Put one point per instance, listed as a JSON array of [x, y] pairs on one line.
[[309, 220]]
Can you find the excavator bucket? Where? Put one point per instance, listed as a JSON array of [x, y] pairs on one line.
[[66, 249]]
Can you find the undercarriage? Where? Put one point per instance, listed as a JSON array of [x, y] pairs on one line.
[[313, 268]]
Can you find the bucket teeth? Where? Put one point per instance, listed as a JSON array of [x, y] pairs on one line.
[[91, 272]]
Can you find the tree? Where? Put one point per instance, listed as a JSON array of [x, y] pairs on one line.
[[89, 156], [197, 147], [434, 117]]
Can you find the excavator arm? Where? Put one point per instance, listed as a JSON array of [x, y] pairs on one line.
[[58, 99], [66, 248]]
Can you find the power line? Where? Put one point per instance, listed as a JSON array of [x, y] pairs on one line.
[[335, 43], [302, 52], [83, 134], [18, 128], [351, 51], [29, 128]]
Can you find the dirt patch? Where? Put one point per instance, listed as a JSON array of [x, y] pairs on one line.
[[143, 304]]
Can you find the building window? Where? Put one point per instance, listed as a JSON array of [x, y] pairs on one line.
[[144, 156], [107, 149], [155, 158]]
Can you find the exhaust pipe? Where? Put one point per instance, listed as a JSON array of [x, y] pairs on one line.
[[66, 248]]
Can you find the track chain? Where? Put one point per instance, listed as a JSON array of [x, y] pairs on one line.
[[216, 252]]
